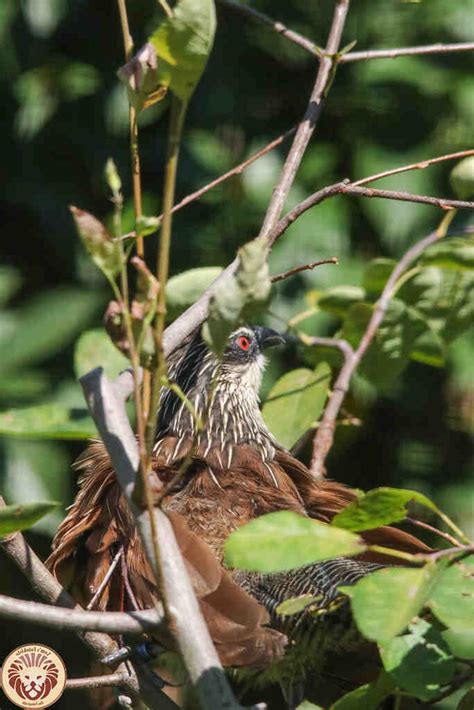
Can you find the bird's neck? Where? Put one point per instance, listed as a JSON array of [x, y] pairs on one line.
[[221, 411]]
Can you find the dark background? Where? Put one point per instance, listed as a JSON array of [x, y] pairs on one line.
[[63, 114]]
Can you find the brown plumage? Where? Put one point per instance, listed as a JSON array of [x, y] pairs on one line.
[[236, 472]]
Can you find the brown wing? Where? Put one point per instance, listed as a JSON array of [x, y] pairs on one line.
[[98, 524]]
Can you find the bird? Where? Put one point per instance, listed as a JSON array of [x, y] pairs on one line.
[[211, 431]]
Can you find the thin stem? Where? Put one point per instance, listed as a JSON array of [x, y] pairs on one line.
[[438, 48], [420, 165], [304, 267], [177, 114], [111, 679], [441, 202], [105, 580], [426, 526]]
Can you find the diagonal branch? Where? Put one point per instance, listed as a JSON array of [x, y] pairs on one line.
[[324, 436]]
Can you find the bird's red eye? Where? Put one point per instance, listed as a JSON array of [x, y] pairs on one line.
[[244, 343]]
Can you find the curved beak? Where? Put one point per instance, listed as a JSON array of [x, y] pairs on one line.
[[267, 337]]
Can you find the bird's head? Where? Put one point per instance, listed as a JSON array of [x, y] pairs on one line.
[[234, 379]]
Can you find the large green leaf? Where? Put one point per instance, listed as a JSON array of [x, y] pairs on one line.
[[460, 642], [380, 506], [20, 517], [183, 43], [47, 421], [184, 289], [384, 602], [285, 540], [46, 324], [419, 661], [295, 403], [93, 349], [452, 598], [238, 295]]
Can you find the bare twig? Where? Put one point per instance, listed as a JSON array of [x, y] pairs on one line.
[[303, 267], [182, 610], [339, 343], [420, 165], [441, 202], [105, 580], [426, 526], [308, 124], [278, 27], [109, 622], [313, 49], [96, 681], [437, 48], [325, 433]]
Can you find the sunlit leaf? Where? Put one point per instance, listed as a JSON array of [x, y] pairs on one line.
[[47, 421], [462, 178], [380, 506], [238, 295], [93, 349], [295, 605], [384, 602], [295, 402], [20, 517], [184, 289], [285, 540], [183, 43], [451, 253], [367, 697], [460, 642], [452, 598], [339, 299]]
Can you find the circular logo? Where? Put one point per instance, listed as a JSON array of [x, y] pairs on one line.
[[33, 676]]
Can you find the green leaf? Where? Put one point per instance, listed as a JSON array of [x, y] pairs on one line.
[[366, 697], [460, 642], [46, 324], [93, 349], [380, 506], [20, 517], [239, 295], [285, 540], [338, 300], [184, 289], [462, 178], [384, 602], [10, 282], [394, 340], [451, 253], [47, 421], [376, 275], [444, 298], [419, 661], [105, 252], [183, 43], [295, 403], [295, 605], [306, 705], [452, 598]]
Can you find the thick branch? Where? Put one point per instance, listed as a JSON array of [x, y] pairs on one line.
[[95, 681], [182, 610], [109, 622], [308, 124], [325, 433]]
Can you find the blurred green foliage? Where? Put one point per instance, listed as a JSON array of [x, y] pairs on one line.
[[64, 113]]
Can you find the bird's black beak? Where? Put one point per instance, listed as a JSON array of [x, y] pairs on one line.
[[267, 337]]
